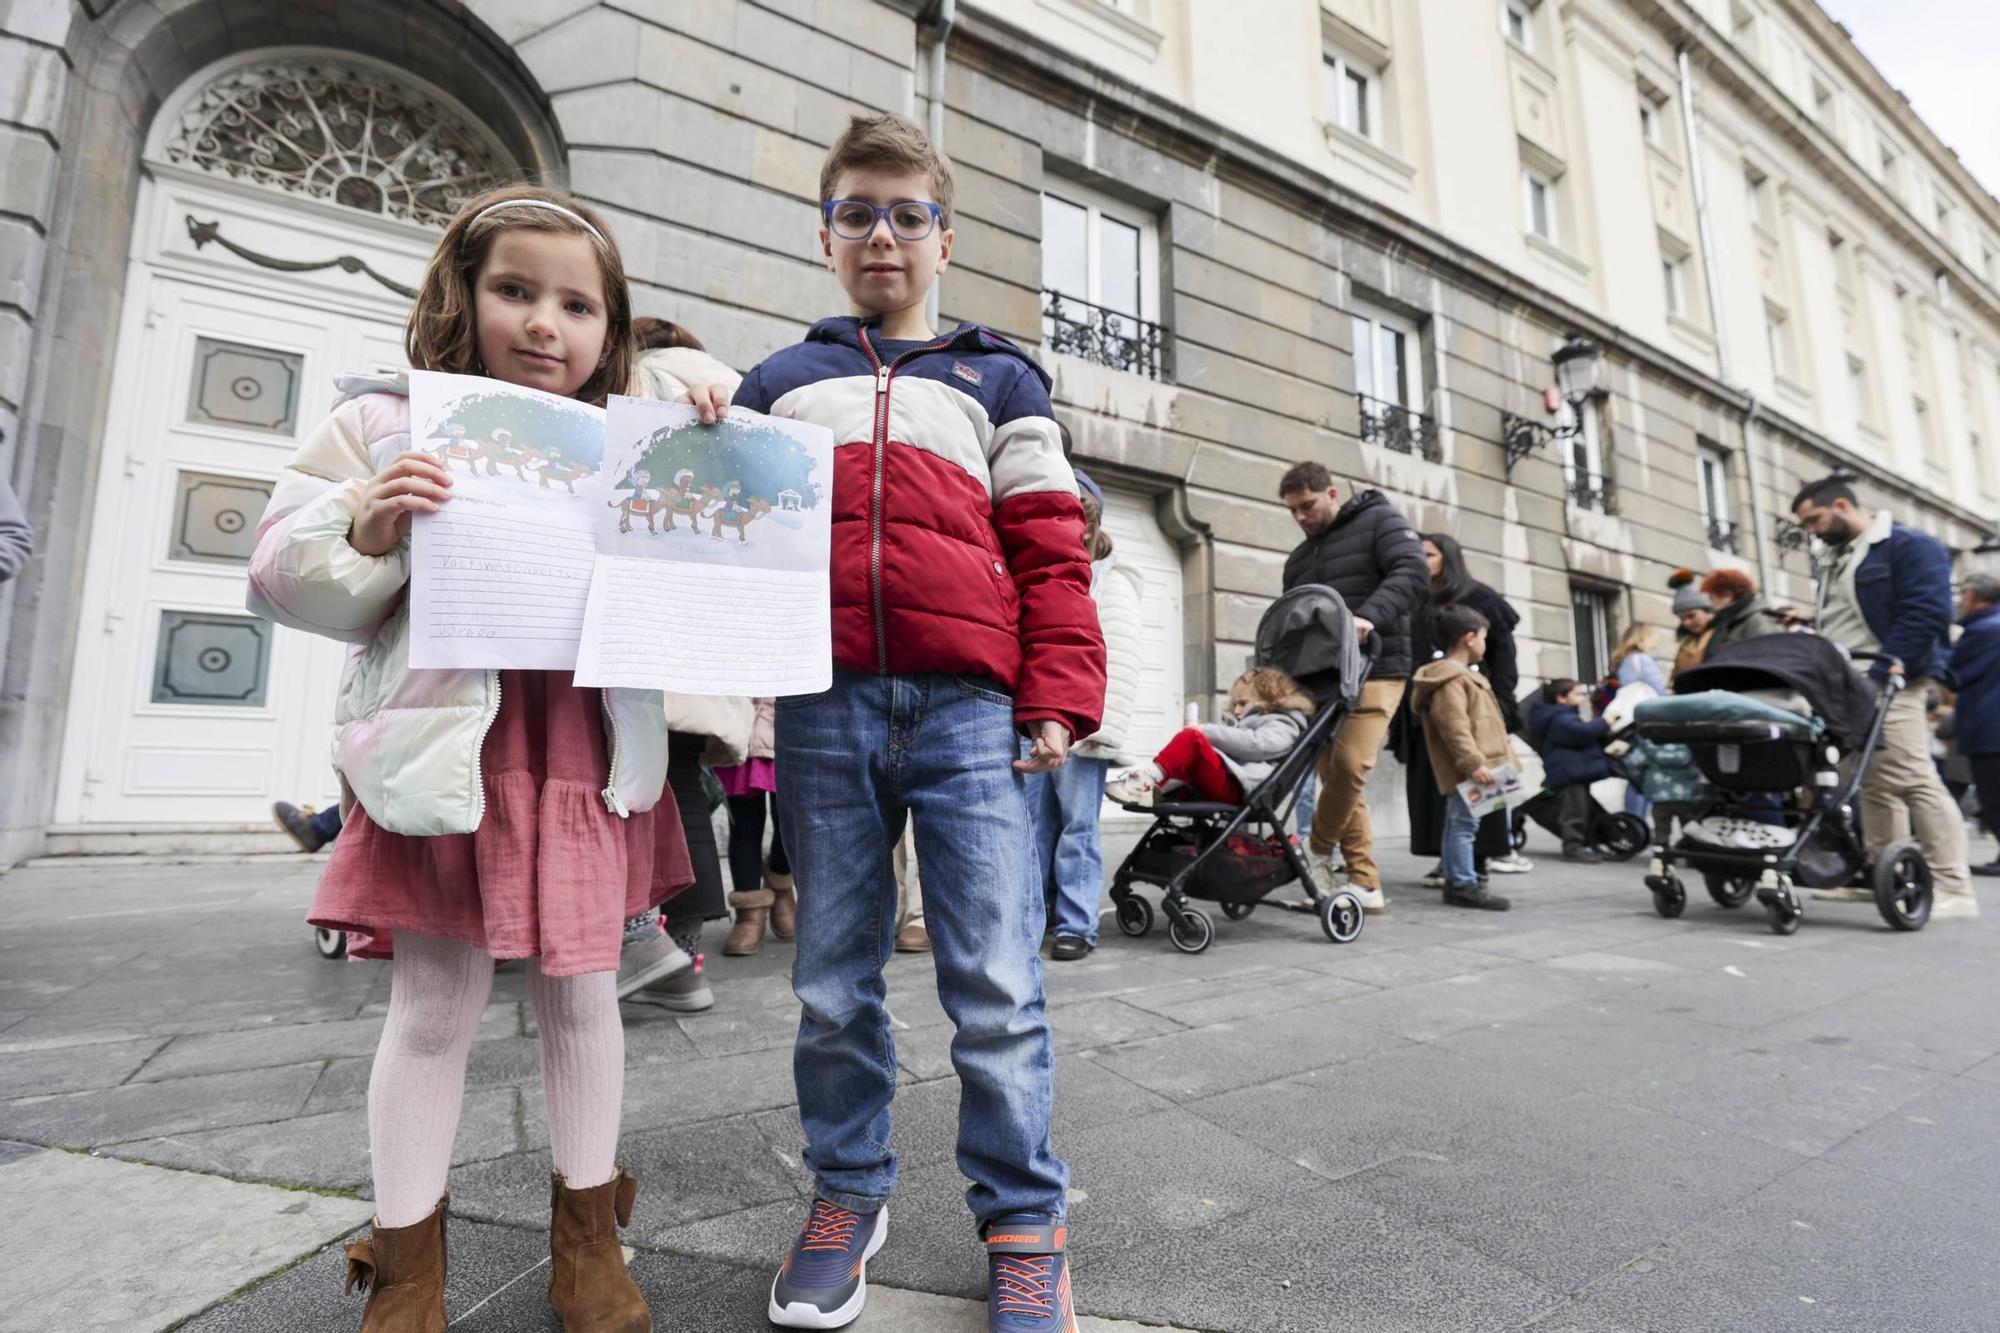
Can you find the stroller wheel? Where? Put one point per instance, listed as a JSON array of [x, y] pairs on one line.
[[1191, 932], [332, 944], [1670, 897], [1784, 913], [1625, 836], [1238, 911], [1340, 917], [1517, 832], [1903, 886], [1728, 890], [1135, 916]]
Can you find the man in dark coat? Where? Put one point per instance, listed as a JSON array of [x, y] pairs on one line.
[[1974, 671], [1367, 552]]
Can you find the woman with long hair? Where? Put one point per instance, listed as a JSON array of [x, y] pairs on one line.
[[1452, 584]]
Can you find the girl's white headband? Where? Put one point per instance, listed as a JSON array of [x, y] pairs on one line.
[[571, 214]]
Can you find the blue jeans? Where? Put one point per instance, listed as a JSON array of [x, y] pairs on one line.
[[1302, 814], [1064, 806], [1460, 829], [857, 762], [326, 822]]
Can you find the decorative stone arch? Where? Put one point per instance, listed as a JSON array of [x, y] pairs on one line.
[[124, 66]]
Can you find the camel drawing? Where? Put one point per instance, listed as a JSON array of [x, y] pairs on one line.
[[740, 517], [639, 500], [689, 502], [553, 464]]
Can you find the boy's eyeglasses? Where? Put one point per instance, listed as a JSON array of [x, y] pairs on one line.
[[855, 219]]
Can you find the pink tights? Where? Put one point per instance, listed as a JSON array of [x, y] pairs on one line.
[[437, 993]]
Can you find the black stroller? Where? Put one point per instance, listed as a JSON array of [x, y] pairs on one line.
[[1761, 780], [1235, 855]]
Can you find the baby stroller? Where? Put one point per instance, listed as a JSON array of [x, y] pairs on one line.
[[1615, 835], [1235, 855], [1771, 715]]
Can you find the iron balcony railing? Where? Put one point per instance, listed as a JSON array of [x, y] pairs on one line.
[[1722, 536], [1588, 492], [1394, 426], [1108, 337]]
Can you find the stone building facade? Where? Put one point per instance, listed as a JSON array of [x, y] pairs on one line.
[[1240, 235]]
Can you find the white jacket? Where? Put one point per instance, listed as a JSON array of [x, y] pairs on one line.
[[407, 744], [1116, 588]]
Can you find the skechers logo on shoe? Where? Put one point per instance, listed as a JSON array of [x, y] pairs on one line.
[[1029, 1239]]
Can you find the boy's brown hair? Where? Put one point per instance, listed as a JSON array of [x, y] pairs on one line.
[[443, 332], [889, 142]]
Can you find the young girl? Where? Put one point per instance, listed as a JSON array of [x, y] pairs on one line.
[[492, 814], [1220, 761]]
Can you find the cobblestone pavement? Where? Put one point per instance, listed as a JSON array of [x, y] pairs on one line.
[[1575, 1116]]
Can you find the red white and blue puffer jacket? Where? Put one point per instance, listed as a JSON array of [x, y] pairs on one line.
[[957, 534]]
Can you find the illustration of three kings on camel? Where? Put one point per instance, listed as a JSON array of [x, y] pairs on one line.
[[769, 470]]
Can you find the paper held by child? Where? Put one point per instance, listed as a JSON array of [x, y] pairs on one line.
[[1506, 791], [634, 547], [711, 573]]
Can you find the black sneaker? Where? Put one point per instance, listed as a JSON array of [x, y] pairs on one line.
[[1069, 948], [1576, 851], [298, 823], [824, 1280], [1474, 896]]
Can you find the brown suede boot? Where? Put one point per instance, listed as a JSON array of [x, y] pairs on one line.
[[402, 1270], [753, 909], [588, 1284], [784, 905]]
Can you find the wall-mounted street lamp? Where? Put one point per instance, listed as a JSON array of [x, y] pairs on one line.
[[1577, 362]]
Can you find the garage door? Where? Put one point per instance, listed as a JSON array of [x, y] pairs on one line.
[[1140, 545]]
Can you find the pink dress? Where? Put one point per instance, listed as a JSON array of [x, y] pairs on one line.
[[550, 873]]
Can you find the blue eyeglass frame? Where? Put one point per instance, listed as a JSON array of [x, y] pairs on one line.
[[936, 212]]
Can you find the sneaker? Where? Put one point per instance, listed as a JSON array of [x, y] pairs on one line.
[[1989, 868], [1513, 863], [1474, 896], [652, 956], [1134, 787], [1069, 948], [298, 823], [1435, 879], [1372, 901], [684, 992], [1027, 1276], [1576, 851], [1954, 907], [823, 1282]]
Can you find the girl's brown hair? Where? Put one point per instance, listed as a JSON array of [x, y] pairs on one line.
[[443, 332], [1638, 637], [1273, 691]]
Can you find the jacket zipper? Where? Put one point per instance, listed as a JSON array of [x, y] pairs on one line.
[[479, 752], [610, 793], [881, 448]]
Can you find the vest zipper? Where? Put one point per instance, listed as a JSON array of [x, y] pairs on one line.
[[479, 752], [881, 450], [610, 793]]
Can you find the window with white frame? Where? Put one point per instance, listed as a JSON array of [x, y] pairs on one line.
[[1590, 622], [1822, 98], [1778, 340], [1517, 23], [1757, 192], [1860, 391], [1388, 358], [1673, 274], [1712, 485], [1100, 278], [1352, 89], [1651, 123], [1891, 163], [1538, 204]]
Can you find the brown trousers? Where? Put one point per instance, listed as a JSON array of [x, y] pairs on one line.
[[1341, 817]]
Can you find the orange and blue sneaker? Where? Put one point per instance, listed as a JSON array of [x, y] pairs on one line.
[[1027, 1276], [824, 1280]]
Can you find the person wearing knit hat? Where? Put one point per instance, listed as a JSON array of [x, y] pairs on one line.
[[1696, 613]]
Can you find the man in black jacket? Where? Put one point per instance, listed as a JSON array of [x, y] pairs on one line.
[[1367, 552]]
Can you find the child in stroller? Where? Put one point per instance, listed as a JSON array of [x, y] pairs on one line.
[[1781, 718], [1573, 757], [1235, 851], [1218, 761]]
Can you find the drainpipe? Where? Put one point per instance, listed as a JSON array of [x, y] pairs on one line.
[[1706, 235], [942, 16]]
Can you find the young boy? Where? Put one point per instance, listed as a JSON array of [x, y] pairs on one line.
[[1467, 739], [1573, 757], [962, 620]]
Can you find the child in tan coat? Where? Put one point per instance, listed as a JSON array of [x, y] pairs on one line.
[[1467, 739]]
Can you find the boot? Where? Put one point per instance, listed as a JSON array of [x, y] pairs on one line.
[[784, 905], [753, 909], [402, 1270], [588, 1284]]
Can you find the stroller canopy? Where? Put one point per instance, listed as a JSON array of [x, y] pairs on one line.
[[1814, 666], [1309, 635]]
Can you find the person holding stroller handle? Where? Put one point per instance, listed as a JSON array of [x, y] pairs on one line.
[[1886, 588]]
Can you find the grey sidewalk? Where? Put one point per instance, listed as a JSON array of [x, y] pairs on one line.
[[1576, 1116]]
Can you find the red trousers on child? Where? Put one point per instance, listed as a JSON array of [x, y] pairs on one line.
[[1190, 758]]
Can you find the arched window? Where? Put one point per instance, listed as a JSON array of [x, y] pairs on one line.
[[340, 129]]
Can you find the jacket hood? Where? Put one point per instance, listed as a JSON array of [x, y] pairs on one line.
[[1356, 506], [1434, 676], [355, 385], [1542, 716], [845, 331], [1298, 701], [1984, 613]]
